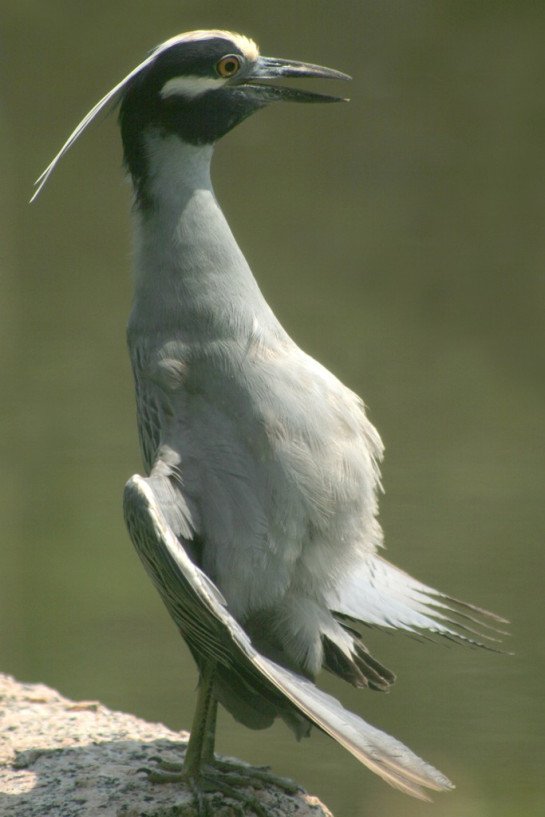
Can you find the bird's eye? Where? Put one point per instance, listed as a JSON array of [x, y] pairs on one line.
[[228, 66]]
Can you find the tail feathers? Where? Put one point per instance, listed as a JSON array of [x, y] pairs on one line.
[[380, 594], [359, 667]]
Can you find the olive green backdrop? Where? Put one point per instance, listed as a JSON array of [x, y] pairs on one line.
[[400, 240]]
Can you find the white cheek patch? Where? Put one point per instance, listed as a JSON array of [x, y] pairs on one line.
[[190, 86]]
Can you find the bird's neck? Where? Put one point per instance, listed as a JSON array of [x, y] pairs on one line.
[[189, 273]]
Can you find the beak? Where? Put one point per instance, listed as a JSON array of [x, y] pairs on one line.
[[270, 68]]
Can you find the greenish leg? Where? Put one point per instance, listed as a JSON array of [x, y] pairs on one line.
[[201, 739], [207, 754], [204, 773]]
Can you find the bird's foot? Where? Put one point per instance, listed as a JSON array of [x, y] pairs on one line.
[[225, 777]]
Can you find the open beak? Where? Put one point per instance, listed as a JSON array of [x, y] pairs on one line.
[[270, 68]]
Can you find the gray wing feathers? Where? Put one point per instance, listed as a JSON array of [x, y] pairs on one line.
[[199, 610], [383, 754], [379, 593]]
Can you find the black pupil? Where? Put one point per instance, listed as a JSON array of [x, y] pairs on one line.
[[230, 67]]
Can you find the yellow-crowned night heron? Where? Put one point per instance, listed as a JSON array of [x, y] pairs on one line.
[[257, 518]]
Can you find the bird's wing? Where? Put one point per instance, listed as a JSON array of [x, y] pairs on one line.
[[380, 594], [199, 610]]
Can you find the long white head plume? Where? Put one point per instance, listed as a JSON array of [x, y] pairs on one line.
[[112, 97]]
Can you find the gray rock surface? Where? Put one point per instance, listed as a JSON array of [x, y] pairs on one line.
[[60, 758]]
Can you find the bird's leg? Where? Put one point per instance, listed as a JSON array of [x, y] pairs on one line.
[[204, 773], [209, 740], [200, 747], [231, 771], [202, 736]]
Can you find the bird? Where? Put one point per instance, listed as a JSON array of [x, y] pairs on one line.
[[257, 517]]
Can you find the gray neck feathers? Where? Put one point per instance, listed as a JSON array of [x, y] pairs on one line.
[[190, 277]]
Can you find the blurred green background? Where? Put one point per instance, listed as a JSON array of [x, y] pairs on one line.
[[400, 240]]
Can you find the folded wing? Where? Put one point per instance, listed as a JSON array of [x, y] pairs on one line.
[[199, 610]]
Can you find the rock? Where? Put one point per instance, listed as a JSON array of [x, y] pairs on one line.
[[62, 758]]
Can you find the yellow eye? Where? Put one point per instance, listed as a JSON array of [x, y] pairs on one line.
[[228, 66]]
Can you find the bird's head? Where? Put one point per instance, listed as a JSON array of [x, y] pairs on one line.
[[201, 84], [198, 86]]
